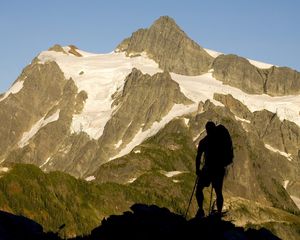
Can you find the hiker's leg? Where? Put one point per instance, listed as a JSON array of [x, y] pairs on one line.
[[199, 195], [220, 199], [203, 181], [218, 185]]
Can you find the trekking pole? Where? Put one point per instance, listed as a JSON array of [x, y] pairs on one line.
[[211, 192], [191, 197]]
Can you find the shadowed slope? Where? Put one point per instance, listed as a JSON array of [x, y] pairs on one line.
[[152, 222], [13, 227]]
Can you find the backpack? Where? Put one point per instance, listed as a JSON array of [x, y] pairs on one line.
[[224, 142]]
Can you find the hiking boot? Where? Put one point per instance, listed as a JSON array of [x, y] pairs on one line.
[[200, 214], [217, 214]]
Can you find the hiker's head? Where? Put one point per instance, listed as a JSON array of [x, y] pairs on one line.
[[210, 127]]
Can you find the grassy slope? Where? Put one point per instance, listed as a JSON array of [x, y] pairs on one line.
[[53, 199], [56, 198]]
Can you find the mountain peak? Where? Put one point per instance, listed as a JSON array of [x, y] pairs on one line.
[[165, 22], [164, 19], [169, 46]]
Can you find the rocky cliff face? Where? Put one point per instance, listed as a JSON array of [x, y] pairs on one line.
[[265, 131], [143, 101], [257, 173], [256, 179], [239, 72], [282, 81], [174, 51], [42, 87], [263, 170], [235, 106], [36, 119], [283, 135], [170, 47]]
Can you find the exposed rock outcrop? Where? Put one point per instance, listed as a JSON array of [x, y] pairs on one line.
[[57, 48], [42, 89], [144, 100], [170, 47], [282, 81], [28, 136], [235, 106], [171, 148], [239, 72], [47, 140], [282, 135], [73, 50], [257, 173]]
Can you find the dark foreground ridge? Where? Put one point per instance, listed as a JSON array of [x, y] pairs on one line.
[[143, 222]]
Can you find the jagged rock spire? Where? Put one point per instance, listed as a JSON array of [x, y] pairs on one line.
[[169, 46]]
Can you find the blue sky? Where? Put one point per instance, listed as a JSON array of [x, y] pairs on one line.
[[263, 30]]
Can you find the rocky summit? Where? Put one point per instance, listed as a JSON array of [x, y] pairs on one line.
[[85, 137], [169, 46]]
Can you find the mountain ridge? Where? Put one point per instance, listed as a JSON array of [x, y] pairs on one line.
[[131, 120], [142, 220]]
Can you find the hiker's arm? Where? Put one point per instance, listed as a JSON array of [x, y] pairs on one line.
[[198, 157]]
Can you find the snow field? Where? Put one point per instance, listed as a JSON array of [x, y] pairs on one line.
[[101, 75]]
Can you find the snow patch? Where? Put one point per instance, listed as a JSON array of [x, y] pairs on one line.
[[176, 111], [118, 144], [15, 88], [131, 180], [36, 127], [4, 169], [243, 122], [84, 53], [296, 201], [202, 87], [176, 181], [104, 74], [242, 119], [258, 64], [213, 53], [171, 174], [195, 138], [129, 124], [186, 121], [286, 155], [65, 149], [285, 183], [137, 151], [47, 160], [90, 178]]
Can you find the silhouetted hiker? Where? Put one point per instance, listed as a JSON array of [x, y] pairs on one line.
[[218, 153]]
